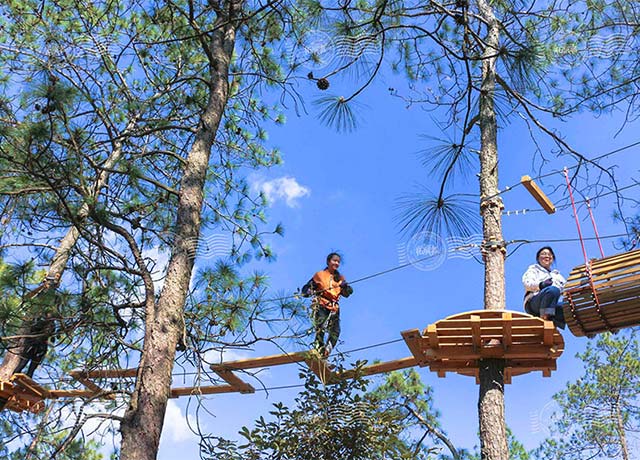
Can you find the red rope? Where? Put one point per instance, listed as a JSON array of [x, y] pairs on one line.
[[587, 263], [595, 228], [575, 214]]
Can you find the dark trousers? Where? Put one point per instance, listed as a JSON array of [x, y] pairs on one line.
[[326, 321], [545, 302]]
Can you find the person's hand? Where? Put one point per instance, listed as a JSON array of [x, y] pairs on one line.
[[545, 283]]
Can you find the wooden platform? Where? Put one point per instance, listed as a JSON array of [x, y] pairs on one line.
[[458, 343], [23, 394], [616, 303]]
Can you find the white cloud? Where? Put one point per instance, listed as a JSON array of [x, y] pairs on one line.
[[176, 425], [282, 188]]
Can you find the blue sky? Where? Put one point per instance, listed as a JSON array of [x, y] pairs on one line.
[[339, 191]]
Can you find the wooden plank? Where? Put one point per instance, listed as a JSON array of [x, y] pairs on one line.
[[546, 372], [104, 373], [549, 330], [432, 334], [95, 388], [379, 368], [506, 329], [413, 339], [475, 331], [514, 352], [264, 361], [507, 375], [30, 385], [198, 391], [535, 191], [471, 365], [462, 324], [233, 380], [73, 394]]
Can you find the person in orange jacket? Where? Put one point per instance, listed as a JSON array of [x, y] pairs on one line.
[[327, 286]]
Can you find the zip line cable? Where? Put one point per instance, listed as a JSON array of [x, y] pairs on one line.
[[383, 272], [551, 173], [568, 205]]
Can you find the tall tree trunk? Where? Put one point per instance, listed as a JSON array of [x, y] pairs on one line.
[[143, 421], [493, 436], [16, 347], [622, 435]]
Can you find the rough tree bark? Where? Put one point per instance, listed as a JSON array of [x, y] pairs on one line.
[[142, 423], [493, 436]]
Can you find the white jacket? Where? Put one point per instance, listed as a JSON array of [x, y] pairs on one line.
[[536, 274]]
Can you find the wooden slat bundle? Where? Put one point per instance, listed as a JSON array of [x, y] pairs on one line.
[[616, 284]]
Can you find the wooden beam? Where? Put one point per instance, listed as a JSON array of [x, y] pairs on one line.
[[197, 391], [506, 329], [96, 389], [432, 333], [379, 368], [549, 329], [413, 339], [265, 361], [104, 373], [74, 394], [475, 332], [30, 385], [233, 380], [538, 194]]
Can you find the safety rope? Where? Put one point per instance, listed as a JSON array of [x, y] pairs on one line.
[[575, 215], [587, 262], [595, 228]]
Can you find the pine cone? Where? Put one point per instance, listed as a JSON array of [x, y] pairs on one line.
[[323, 84]]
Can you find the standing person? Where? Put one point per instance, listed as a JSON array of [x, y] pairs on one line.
[[543, 287], [37, 343], [327, 286]]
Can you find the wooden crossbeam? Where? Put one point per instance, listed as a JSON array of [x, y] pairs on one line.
[[233, 380], [538, 194], [549, 329], [506, 329], [28, 384], [378, 368], [104, 373], [432, 333], [265, 361], [475, 332], [413, 339], [55, 394], [206, 390]]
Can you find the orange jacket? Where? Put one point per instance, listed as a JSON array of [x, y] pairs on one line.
[[329, 290]]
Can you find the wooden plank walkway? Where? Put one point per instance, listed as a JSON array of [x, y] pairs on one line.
[[455, 344]]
